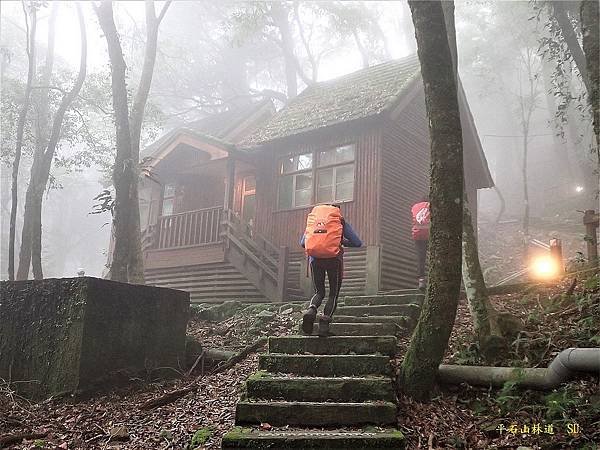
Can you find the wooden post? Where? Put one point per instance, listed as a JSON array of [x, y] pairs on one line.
[[228, 201], [590, 220], [282, 272], [373, 276]]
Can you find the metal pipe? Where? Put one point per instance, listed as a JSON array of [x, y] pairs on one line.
[[568, 364]]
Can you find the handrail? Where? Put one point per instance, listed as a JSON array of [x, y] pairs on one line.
[[253, 257], [251, 244], [189, 228], [189, 212]]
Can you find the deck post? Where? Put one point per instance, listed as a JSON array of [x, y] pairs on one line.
[[228, 201], [373, 268], [590, 220], [282, 273]]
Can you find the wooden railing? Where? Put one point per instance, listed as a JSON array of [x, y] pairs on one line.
[[190, 228], [261, 261]]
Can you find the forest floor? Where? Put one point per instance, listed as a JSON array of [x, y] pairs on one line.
[[457, 417]]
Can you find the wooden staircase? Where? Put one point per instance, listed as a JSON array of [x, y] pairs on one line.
[[325, 391]]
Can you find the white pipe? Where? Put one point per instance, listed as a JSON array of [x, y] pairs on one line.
[[567, 365]]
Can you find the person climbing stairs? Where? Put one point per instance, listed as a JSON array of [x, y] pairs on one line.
[[329, 393]]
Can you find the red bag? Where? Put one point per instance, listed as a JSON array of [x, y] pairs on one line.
[[421, 217]]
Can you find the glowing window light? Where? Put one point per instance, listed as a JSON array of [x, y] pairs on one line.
[[544, 267]]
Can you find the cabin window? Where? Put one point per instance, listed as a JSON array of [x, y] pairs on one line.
[[168, 199], [295, 184], [332, 179], [335, 175]]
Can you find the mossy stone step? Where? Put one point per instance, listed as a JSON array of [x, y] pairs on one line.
[[326, 440], [402, 321], [403, 299], [325, 365], [334, 345], [315, 414], [410, 310], [361, 329], [263, 386]]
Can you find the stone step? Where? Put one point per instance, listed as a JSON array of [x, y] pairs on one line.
[[399, 320], [403, 299], [315, 414], [334, 345], [326, 440], [325, 365], [361, 329], [264, 386], [410, 310]]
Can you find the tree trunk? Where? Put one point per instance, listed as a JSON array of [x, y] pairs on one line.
[[135, 263], [525, 130], [41, 138], [560, 14], [431, 335], [123, 174], [361, 49], [485, 317], [280, 17], [591, 37], [19, 139]]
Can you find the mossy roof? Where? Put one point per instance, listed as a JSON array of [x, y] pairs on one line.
[[358, 95]]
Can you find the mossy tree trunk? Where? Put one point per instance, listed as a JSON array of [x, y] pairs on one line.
[[31, 250], [127, 261], [485, 317], [31, 29], [591, 47], [432, 333]]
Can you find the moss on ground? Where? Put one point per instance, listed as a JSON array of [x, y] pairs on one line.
[[200, 437]]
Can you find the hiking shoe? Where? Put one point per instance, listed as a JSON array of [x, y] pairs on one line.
[[422, 284], [324, 326], [308, 320]]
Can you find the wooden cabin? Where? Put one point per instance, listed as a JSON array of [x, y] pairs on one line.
[[228, 196]]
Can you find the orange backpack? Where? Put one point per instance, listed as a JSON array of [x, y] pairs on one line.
[[324, 230]]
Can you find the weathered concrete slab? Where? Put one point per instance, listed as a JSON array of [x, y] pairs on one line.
[[315, 414], [334, 345], [328, 440], [361, 329], [410, 310], [326, 365], [403, 299], [62, 335], [264, 386]]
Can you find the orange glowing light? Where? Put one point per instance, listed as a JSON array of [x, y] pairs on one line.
[[544, 267]]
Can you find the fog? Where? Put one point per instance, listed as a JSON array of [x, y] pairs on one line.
[[212, 55]]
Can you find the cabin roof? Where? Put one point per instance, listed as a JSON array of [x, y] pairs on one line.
[[358, 95], [223, 129]]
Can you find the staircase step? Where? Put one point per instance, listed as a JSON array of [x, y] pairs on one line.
[[326, 440], [361, 329], [315, 414], [403, 299], [326, 365], [263, 386], [399, 320], [410, 310], [340, 345]]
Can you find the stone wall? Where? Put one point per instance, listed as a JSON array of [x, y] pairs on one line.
[[63, 335]]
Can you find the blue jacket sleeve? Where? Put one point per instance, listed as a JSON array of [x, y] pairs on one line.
[[302, 239], [350, 238]]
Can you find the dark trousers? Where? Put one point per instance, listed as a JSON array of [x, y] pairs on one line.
[[421, 246], [334, 268]]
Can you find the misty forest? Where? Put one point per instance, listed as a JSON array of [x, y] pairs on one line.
[[299, 224]]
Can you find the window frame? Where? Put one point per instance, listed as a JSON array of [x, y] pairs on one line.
[[314, 170], [170, 197]]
